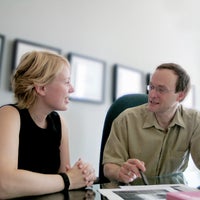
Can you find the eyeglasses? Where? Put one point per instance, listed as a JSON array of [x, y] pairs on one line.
[[159, 89]]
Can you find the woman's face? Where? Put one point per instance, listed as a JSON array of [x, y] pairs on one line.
[[57, 92]]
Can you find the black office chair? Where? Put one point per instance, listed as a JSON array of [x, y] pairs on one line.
[[122, 103]]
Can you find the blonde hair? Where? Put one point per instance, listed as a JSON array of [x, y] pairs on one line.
[[35, 68]]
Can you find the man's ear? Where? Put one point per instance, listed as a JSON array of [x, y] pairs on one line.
[[41, 90], [181, 96]]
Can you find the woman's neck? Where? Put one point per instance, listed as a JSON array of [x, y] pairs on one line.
[[38, 117]]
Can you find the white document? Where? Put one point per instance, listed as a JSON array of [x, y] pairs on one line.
[[145, 192]]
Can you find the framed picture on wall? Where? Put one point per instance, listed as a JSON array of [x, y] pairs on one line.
[[2, 40], [127, 80], [22, 46], [88, 78], [148, 78]]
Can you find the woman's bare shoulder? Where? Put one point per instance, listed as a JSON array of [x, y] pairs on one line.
[[8, 111]]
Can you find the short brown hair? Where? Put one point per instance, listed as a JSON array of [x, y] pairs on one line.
[[183, 81]]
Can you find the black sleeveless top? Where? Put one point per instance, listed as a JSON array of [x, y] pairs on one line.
[[39, 148]]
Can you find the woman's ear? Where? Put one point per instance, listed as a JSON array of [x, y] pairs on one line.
[[41, 90]]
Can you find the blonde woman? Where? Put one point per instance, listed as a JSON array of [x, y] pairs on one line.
[[34, 150]]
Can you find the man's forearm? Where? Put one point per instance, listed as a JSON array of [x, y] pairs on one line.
[[111, 171]]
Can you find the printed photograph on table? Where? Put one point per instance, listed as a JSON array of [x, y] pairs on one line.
[[2, 40], [127, 80], [87, 78], [22, 46]]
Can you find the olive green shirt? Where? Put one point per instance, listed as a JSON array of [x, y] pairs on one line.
[[135, 133]]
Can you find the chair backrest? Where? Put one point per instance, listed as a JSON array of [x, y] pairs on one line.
[[122, 103]]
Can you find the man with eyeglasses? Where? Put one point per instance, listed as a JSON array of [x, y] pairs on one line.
[[158, 137]]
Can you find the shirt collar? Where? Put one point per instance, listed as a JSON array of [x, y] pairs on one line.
[[150, 119]]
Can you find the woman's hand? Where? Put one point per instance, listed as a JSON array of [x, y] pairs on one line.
[[81, 175], [88, 172]]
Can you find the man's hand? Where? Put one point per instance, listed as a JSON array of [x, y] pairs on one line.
[[129, 171]]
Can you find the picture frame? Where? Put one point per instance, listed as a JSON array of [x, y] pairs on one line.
[[21, 46], [87, 78], [2, 41], [127, 80], [148, 78]]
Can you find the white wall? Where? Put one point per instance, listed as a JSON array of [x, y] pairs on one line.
[[137, 33]]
